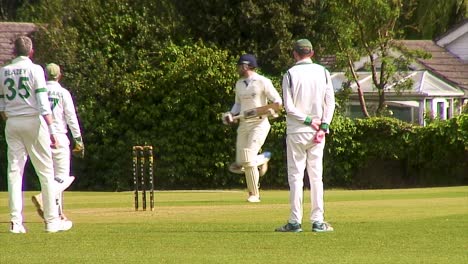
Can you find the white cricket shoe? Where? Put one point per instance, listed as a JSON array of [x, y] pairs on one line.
[[61, 225], [17, 228], [253, 199], [64, 183]]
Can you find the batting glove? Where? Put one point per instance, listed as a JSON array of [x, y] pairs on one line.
[[227, 118], [78, 149]]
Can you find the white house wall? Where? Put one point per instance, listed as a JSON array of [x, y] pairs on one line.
[[433, 86], [428, 94], [424, 84]]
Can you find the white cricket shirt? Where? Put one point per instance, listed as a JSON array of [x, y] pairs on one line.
[[253, 92], [23, 89], [63, 109]]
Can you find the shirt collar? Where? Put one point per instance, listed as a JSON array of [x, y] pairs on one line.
[[21, 58], [304, 61], [252, 77]]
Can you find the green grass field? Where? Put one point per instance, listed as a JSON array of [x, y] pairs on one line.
[[427, 225]]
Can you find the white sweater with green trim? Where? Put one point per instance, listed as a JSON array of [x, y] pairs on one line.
[[307, 92]]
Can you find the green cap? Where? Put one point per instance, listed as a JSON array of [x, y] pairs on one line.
[[53, 71], [303, 46]]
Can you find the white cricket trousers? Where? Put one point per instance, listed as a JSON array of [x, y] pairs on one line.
[[303, 153], [250, 138], [61, 157], [29, 136]]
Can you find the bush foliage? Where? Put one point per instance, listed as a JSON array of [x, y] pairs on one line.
[[385, 152]]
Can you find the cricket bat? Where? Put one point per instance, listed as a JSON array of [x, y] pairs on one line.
[[266, 110]]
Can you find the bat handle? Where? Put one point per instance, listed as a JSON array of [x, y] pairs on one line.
[[272, 112]]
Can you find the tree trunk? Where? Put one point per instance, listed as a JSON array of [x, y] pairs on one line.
[[362, 101], [381, 106]]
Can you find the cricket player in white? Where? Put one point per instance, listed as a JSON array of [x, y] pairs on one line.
[[64, 115], [252, 90], [23, 100], [308, 97]]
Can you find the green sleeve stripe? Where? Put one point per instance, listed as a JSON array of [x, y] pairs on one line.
[[308, 121], [41, 90], [324, 126], [2, 96]]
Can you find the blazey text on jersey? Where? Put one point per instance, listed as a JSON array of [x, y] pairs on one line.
[[14, 72]]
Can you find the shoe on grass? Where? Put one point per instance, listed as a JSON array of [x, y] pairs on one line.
[[17, 228], [57, 226], [289, 227], [321, 227], [253, 199]]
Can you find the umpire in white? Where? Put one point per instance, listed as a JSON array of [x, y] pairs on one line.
[[308, 97]]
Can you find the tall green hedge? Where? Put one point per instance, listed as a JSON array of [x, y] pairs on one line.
[[173, 106], [388, 153]]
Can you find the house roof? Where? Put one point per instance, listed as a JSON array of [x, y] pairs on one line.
[[425, 84], [446, 53], [9, 31], [442, 63], [453, 34]]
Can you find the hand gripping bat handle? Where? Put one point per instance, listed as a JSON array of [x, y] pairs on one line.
[[272, 112]]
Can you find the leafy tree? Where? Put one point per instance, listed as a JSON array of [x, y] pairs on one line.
[[8, 9], [135, 86], [265, 28], [427, 19], [368, 28]]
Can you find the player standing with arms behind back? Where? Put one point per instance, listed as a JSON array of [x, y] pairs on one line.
[[252, 90], [64, 115], [308, 96], [23, 100]]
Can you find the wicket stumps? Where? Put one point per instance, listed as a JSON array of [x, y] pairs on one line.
[[143, 175]]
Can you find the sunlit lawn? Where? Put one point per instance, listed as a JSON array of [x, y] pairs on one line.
[[374, 226]]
